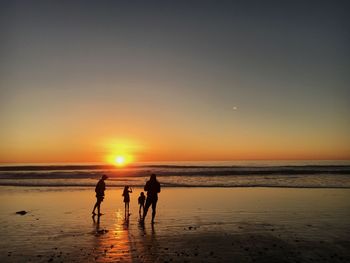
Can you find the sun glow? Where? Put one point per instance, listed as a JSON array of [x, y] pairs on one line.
[[120, 153], [120, 160]]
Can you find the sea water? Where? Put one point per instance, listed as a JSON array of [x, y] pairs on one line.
[[297, 174]]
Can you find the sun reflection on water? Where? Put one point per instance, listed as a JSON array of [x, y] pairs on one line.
[[113, 245]]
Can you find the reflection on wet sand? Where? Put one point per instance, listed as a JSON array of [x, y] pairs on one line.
[[112, 246], [244, 224], [146, 243], [127, 240]]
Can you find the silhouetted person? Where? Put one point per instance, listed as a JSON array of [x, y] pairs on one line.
[[141, 201], [100, 194], [153, 188], [126, 195]]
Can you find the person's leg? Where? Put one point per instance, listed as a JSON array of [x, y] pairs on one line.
[[99, 208], [154, 207], [145, 210], [93, 211]]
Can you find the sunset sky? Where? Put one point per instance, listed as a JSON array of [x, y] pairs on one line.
[[174, 80]]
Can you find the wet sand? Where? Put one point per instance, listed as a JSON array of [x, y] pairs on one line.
[[192, 225]]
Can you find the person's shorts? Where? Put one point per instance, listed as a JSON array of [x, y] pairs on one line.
[[151, 200], [99, 198]]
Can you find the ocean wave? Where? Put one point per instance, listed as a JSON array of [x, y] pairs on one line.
[[297, 181], [306, 167], [174, 185], [166, 170], [299, 176]]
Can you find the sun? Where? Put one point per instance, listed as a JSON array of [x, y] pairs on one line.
[[120, 153], [119, 160]]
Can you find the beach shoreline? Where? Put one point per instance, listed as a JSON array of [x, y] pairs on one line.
[[192, 225]]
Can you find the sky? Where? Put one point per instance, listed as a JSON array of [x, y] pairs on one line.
[[174, 80]]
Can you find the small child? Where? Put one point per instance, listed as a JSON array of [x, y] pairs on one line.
[[126, 195], [141, 202]]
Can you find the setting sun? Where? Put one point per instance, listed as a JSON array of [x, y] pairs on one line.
[[120, 160], [120, 152]]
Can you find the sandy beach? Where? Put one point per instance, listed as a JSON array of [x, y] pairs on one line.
[[237, 111], [192, 225]]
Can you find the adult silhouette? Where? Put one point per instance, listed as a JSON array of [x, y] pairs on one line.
[[100, 194], [152, 188]]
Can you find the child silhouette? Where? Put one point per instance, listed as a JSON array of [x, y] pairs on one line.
[[126, 195], [141, 201]]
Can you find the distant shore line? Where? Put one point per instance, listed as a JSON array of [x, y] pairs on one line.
[[88, 186], [112, 167]]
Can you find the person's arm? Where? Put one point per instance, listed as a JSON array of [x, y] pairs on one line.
[[146, 187], [98, 187]]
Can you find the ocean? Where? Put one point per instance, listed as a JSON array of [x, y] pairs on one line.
[[293, 174]]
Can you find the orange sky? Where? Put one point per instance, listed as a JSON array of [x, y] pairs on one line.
[[165, 146], [172, 82]]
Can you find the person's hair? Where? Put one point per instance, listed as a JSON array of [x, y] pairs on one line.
[[153, 177]]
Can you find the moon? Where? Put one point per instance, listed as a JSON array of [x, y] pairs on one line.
[[235, 108]]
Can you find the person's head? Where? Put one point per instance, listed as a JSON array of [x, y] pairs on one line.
[[104, 177], [153, 177], [142, 194], [126, 187]]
